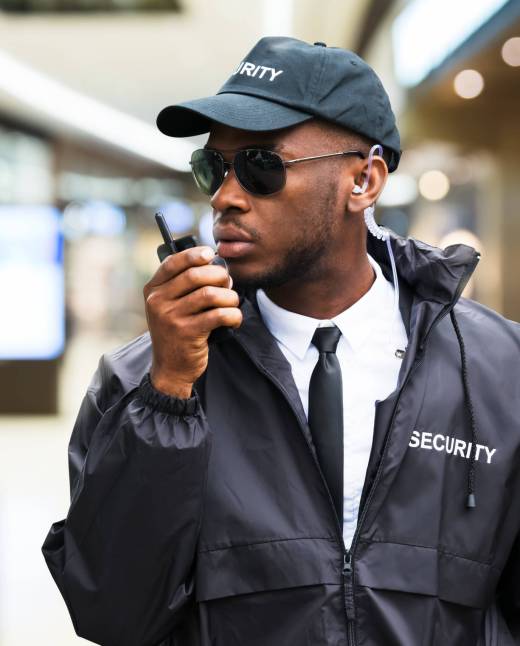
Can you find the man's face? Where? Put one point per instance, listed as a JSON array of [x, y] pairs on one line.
[[291, 234]]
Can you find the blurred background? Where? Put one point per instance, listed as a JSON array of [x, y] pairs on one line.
[[83, 169]]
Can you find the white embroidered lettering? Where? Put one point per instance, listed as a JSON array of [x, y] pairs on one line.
[[257, 71], [435, 445], [478, 450], [414, 440], [247, 69], [449, 445], [460, 445], [426, 441], [490, 454]]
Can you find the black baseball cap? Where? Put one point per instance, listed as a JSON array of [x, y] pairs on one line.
[[283, 82]]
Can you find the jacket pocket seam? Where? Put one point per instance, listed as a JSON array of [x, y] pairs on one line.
[[264, 541], [436, 549]]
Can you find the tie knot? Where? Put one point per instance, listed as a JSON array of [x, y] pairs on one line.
[[326, 338]]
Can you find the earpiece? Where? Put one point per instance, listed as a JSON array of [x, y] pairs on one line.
[[357, 189]]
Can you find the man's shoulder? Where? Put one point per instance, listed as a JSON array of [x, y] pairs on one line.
[[122, 368], [484, 325], [132, 358]]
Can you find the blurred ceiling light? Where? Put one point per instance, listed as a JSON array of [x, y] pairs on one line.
[[468, 84], [434, 185], [61, 103], [399, 190], [511, 51]]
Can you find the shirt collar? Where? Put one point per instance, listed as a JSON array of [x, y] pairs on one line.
[[295, 331]]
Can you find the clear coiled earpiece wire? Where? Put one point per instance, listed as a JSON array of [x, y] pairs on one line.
[[381, 234]]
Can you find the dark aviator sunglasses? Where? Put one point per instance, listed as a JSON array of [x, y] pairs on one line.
[[258, 171]]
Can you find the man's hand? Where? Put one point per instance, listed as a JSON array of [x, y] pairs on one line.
[[184, 301]]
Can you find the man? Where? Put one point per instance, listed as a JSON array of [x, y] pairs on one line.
[[330, 470]]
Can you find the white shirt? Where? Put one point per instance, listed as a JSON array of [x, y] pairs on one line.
[[369, 366]]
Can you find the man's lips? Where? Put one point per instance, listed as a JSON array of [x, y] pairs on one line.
[[230, 234], [232, 243], [233, 248]]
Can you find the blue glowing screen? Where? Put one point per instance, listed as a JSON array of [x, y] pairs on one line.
[[32, 319]]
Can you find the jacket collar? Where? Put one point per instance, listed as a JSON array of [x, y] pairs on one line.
[[431, 273]]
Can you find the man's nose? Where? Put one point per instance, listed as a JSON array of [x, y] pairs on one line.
[[230, 195]]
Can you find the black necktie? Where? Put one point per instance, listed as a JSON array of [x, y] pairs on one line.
[[326, 412]]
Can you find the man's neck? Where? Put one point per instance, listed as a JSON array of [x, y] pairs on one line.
[[328, 295]]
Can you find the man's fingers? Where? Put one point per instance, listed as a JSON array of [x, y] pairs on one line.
[[205, 322], [192, 279], [206, 297], [177, 263]]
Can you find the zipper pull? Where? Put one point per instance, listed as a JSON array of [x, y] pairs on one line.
[[347, 582]]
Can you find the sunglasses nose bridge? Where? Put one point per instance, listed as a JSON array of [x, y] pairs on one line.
[[227, 166]]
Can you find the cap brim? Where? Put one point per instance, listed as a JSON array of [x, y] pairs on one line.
[[230, 109]]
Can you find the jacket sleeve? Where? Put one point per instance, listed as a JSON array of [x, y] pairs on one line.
[[123, 558]]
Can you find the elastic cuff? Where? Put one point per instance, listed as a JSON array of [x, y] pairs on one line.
[[165, 403]]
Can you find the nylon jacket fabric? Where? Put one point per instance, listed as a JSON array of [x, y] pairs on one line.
[[207, 522]]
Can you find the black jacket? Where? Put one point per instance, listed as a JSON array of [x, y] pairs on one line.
[[207, 522]]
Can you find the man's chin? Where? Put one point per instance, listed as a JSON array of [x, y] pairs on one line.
[[244, 269], [250, 282], [252, 274], [248, 278], [243, 281]]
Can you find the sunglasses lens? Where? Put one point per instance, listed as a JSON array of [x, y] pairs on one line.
[[260, 171], [207, 167]]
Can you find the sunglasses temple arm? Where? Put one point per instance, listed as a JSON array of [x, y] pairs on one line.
[[346, 152]]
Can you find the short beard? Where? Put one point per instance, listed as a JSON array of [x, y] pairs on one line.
[[303, 260]]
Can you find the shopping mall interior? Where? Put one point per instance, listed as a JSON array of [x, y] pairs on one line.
[[83, 169]]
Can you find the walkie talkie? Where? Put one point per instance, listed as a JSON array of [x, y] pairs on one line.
[[171, 246]]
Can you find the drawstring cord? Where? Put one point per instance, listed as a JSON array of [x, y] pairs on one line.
[[471, 502]]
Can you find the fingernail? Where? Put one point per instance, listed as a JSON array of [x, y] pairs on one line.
[[207, 253]]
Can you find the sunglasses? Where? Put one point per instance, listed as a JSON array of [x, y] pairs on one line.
[[258, 171]]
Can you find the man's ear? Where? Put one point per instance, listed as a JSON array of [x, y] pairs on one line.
[[356, 201]]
